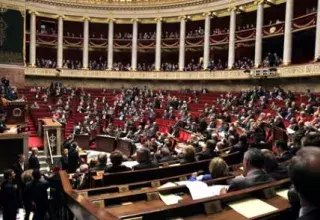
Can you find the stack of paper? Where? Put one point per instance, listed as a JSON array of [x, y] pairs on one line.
[[251, 208], [170, 199], [167, 185], [200, 190], [283, 193]]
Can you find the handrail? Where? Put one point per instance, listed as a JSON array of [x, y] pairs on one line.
[[49, 146], [79, 205]]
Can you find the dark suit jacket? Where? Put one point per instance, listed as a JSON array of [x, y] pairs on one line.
[[73, 159], [206, 155], [34, 162], [36, 191], [100, 167], [313, 215], [285, 156], [253, 178], [148, 165], [18, 171], [166, 159], [9, 197], [116, 169], [281, 172], [64, 162]]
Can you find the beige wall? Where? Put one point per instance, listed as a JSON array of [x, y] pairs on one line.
[[14, 73], [294, 84]]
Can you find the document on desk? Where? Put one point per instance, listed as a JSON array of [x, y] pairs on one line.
[[167, 185], [200, 190], [252, 207], [283, 193], [170, 199]]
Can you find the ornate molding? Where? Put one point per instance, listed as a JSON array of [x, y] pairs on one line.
[[307, 70]]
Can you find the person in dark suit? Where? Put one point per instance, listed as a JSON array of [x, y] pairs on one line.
[[276, 170], [188, 155], [116, 160], [64, 159], [73, 158], [68, 142], [82, 178], [9, 199], [208, 151], [253, 173], [36, 192], [18, 169], [102, 162], [305, 175], [283, 151], [34, 163], [144, 160], [165, 155]]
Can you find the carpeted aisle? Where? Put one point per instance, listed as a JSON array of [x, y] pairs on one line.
[[35, 142]]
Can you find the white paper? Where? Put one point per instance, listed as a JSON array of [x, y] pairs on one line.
[[252, 207], [283, 193], [130, 164], [170, 199], [215, 189], [167, 185], [198, 190]]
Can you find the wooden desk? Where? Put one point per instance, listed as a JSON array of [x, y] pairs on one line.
[[16, 112], [82, 140], [125, 146], [105, 143]]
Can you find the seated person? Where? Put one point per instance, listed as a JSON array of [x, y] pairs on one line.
[[283, 151], [116, 160], [272, 167], [188, 155], [144, 160], [164, 155], [305, 175], [253, 173], [208, 151], [218, 168], [102, 162], [241, 146], [81, 176]]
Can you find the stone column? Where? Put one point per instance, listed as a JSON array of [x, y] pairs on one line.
[[158, 44], [110, 44], [60, 43], [287, 48], [232, 39], [317, 46], [134, 55], [259, 35], [85, 58], [206, 47], [33, 40], [182, 43]]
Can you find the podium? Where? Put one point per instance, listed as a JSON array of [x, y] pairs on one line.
[[50, 130], [16, 112]]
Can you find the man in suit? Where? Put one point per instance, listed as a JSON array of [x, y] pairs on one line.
[[253, 173], [304, 173], [64, 159], [18, 169], [102, 165], [34, 163], [9, 196], [116, 160], [73, 158], [208, 151], [283, 151], [144, 160], [275, 169], [36, 192]]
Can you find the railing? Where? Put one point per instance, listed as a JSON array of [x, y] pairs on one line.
[[77, 206], [49, 146]]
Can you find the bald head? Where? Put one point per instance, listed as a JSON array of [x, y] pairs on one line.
[[304, 172]]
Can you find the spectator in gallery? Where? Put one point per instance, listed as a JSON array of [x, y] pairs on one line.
[[33, 159], [9, 199]]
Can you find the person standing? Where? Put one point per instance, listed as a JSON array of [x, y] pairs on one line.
[[18, 169], [9, 196], [34, 163], [73, 158]]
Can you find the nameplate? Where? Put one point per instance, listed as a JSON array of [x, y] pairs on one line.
[[183, 178], [165, 165], [99, 203], [212, 207], [269, 193], [84, 194], [152, 196], [124, 188], [155, 183]]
